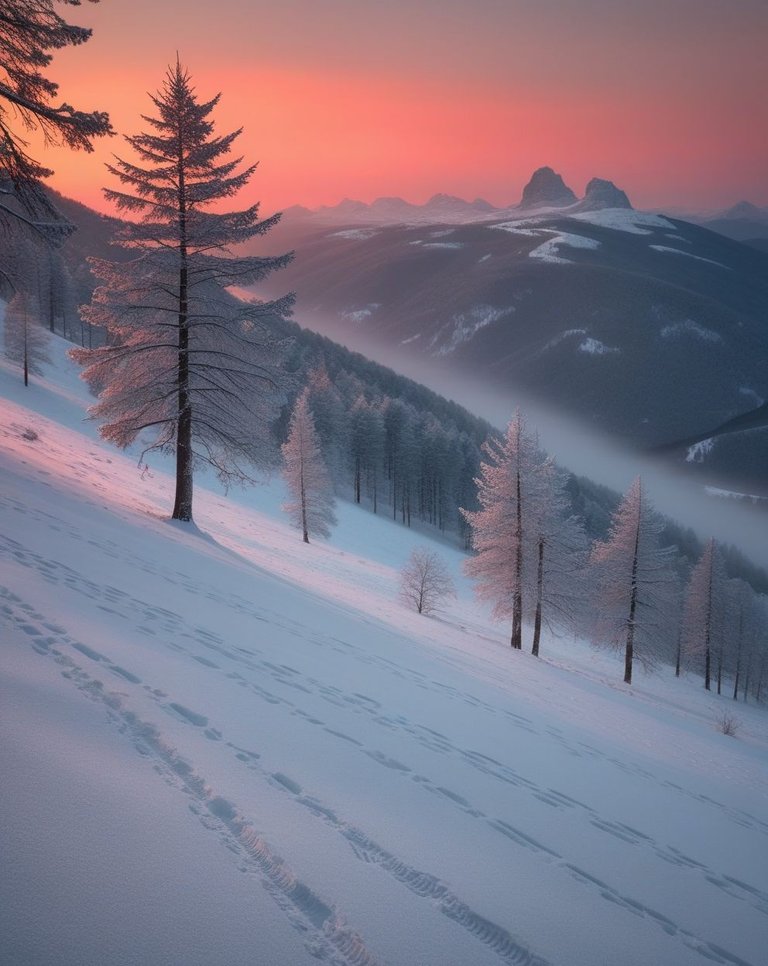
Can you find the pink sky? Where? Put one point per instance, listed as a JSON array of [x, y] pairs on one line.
[[361, 98]]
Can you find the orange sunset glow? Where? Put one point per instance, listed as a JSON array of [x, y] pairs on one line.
[[366, 99]]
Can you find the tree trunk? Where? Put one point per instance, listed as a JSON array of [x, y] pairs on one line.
[[738, 653], [539, 596], [517, 616], [304, 527], [745, 692], [708, 632], [629, 652], [759, 688], [182, 508], [26, 346]]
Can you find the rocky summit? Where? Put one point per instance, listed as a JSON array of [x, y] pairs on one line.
[[546, 189]]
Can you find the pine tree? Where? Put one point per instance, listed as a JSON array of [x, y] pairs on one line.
[[26, 342], [501, 527], [29, 31], [706, 610], [185, 361], [633, 582], [306, 475], [425, 581]]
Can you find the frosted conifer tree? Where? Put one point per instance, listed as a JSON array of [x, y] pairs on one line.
[[26, 341], [305, 472], [187, 367], [29, 31], [705, 618], [633, 582], [501, 526]]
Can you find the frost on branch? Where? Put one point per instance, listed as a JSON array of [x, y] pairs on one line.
[[306, 475], [425, 582], [187, 368]]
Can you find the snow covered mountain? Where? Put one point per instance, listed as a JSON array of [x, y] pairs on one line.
[[545, 190], [645, 325], [220, 745]]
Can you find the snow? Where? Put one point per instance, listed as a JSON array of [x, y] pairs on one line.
[[467, 324], [445, 245], [549, 250], [622, 219], [699, 258], [223, 746], [595, 347], [699, 451], [565, 334], [690, 327], [355, 234], [733, 494], [360, 315]]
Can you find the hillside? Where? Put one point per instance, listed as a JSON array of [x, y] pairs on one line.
[[645, 326], [329, 775]]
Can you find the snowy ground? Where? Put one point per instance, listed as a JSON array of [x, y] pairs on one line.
[[221, 746]]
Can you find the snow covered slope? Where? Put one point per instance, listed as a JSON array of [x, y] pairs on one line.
[[222, 746]]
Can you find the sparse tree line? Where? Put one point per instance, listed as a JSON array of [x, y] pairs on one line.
[[533, 561]]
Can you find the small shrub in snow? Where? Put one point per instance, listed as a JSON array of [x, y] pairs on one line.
[[425, 581], [728, 724], [30, 435]]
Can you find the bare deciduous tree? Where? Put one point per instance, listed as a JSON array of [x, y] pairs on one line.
[[425, 581]]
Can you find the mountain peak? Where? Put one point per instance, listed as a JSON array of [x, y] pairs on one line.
[[745, 209], [604, 194], [546, 189]]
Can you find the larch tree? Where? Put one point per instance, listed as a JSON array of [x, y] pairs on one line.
[[557, 550], [187, 368], [29, 31], [633, 582], [501, 527], [306, 475], [26, 341], [706, 606], [425, 581]]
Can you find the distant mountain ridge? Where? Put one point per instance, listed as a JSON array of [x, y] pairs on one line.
[[545, 190]]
